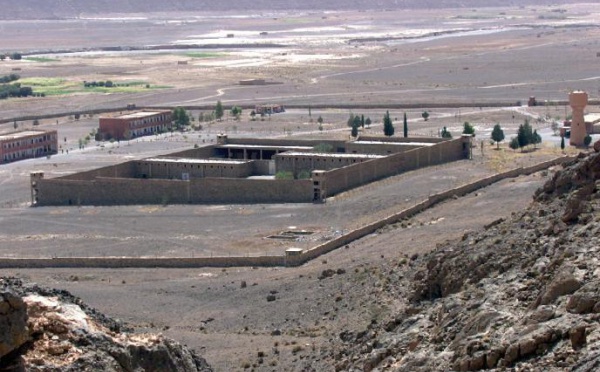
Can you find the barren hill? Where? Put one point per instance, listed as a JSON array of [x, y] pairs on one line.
[[522, 293], [53, 9]]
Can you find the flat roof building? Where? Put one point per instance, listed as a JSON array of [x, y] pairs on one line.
[[135, 124], [27, 144]]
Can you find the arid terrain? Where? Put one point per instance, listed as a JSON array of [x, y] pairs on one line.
[[479, 65]]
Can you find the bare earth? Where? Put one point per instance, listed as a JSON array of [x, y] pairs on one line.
[[493, 55]]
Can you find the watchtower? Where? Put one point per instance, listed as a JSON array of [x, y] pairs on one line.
[[34, 177], [578, 100]]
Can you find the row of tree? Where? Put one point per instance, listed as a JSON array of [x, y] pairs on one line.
[[525, 136], [93, 84], [14, 90], [13, 56], [388, 125], [9, 78]]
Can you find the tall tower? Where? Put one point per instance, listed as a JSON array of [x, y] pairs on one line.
[[578, 100], [34, 177]]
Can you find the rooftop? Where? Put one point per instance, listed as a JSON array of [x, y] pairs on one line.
[[395, 143], [195, 161], [592, 118], [332, 155], [23, 134], [265, 147], [141, 114]]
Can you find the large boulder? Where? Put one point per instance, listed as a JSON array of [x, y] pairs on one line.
[[13, 323], [51, 330]]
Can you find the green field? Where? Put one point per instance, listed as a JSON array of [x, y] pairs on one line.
[[59, 86], [41, 59]]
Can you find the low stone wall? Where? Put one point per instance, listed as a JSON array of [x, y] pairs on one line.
[[129, 262], [418, 208]]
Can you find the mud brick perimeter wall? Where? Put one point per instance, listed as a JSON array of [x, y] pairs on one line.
[[122, 191]]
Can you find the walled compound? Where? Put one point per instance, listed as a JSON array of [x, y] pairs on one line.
[[243, 170]]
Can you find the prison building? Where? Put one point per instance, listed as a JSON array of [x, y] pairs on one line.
[[384, 147], [27, 144], [189, 168], [135, 124], [306, 162]]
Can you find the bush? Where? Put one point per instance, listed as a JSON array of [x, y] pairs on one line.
[[283, 175], [587, 140], [304, 175], [323, 148]]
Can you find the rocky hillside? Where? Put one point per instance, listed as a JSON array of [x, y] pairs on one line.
[[50, 9], [523, 293], [49, 330]]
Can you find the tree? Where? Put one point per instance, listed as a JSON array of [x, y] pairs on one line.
[[253, 115], [368, 122], [405, 126], [388, 126], [468, 128], [362, 121], [15, 125], [236, 111], [320, 120], [587, 140], [535, 138], [350, 121], [180, 117], [514, 143], [445, 133], [525, 134], [356, 122], [219, 110], [425, 115], [497, 135], [562, 143], [354, 132]]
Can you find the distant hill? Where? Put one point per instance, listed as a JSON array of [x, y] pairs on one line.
[[55, 9]]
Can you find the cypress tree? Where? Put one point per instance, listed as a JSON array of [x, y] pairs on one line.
[[388, 127]]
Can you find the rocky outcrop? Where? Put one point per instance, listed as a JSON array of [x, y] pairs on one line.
[[523, 293], [47, 330], [13, 325]]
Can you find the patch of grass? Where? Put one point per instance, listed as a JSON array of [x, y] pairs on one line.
[[59, 86], [204, 54], [41, 82], [41, 59], [50, 86]]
